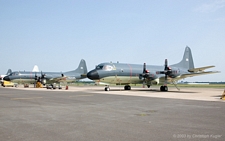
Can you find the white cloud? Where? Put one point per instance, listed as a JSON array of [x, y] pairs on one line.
[[211, 7]]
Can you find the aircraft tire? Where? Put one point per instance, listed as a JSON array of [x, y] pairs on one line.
[[164, 88], [107, 88], [127, 87]]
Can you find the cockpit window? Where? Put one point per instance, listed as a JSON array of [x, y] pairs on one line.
[[99, 67], [14, 73], [104, 67], [11, 74]]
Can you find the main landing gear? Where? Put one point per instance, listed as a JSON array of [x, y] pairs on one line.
[[107, 88], [164, 88], [127, 87]]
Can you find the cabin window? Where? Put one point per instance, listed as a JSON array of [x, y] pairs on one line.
[[107, 68]]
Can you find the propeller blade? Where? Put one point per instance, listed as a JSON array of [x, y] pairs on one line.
[[42, 75], [35, 76], [166, 72], [166, 64], [144, 68]]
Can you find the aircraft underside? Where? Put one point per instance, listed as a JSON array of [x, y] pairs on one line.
[[126, 80]]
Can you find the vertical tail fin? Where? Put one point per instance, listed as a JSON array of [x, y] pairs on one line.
[[9, 71], [35, 69], [82, 68], [187, 61]]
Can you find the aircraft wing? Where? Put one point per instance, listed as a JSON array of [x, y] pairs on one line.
[[182, 76], [200, 69], [64, 78], [197, 74], [57, 79], [194, 74]]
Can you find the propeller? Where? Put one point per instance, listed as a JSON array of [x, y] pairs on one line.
[[144, 75], [35, 76], [42, 78], [42, 75], [168, 72]]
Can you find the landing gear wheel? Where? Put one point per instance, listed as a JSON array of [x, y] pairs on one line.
[[127, 87], [164, 88], [107, 88]]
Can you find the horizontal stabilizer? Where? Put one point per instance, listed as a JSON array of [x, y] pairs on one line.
[[200, 69]]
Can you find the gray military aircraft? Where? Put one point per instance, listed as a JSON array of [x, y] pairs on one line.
[[125, 74], [48, 77], [35, 69], [2, 76]]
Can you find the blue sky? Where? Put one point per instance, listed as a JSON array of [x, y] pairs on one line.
[[57, 34]]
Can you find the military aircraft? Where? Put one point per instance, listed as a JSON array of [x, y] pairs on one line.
[[48, 77], [125, 74], [35, 69], [2, 76]]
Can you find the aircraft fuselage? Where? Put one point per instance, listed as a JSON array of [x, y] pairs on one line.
[[117, 73], [49, 77]]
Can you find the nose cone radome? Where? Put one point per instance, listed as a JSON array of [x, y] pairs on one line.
[[6, 78], [93, 75]]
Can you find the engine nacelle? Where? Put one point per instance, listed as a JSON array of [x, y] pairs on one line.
[[155, 82], [43, 81]]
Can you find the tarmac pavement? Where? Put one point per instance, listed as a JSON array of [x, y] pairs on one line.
[[89, 113]]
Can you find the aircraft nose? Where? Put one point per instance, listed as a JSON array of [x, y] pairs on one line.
[[93, 75], [6, 78]]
